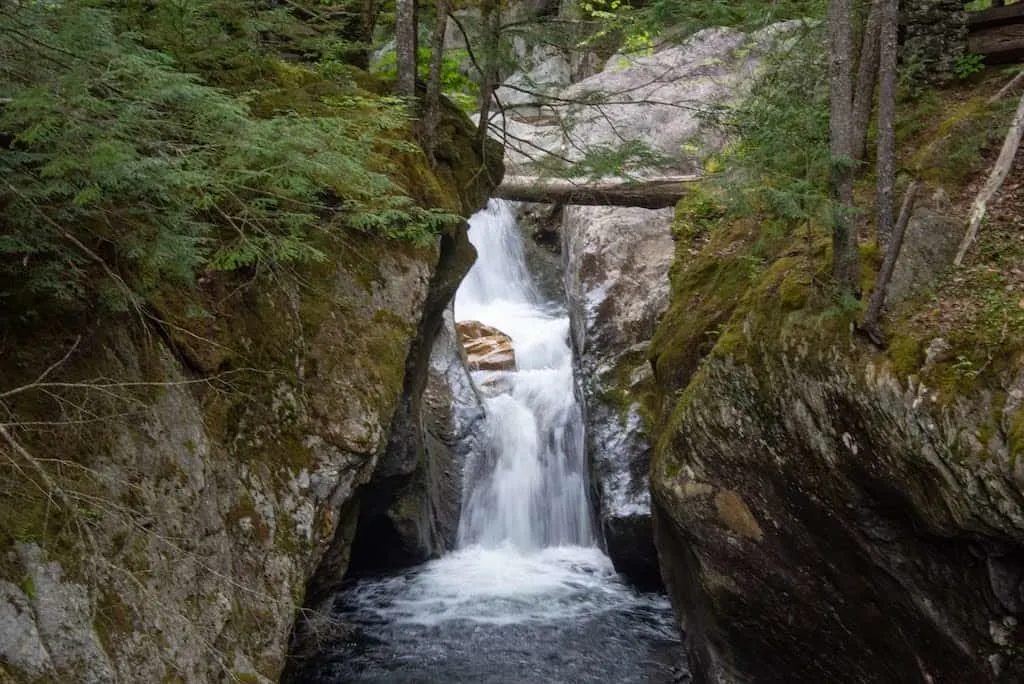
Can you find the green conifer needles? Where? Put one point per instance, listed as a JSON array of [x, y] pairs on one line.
[[108, 144]]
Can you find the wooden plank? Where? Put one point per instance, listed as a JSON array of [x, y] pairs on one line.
[[996, 15], [999, 44]]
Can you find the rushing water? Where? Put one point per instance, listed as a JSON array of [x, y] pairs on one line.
[[528, 596]]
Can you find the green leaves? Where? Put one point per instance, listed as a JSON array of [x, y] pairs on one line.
[[108, 143], [779, 163]]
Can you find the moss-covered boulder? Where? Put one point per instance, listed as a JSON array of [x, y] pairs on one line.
[[195, 478], [825, 510]]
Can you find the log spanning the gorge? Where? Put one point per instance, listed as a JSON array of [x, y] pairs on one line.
[[649, 193]]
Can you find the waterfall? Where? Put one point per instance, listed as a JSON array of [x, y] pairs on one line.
[[528, 596], [528, 488]]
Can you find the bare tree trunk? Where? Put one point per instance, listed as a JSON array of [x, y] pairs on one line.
[[406, 46], [845, 259], [872, 318], [432, 109], [886, 120], [867, 70], [490, 14]]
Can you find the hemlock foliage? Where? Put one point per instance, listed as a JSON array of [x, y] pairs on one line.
[[114, 159], [780, 159]]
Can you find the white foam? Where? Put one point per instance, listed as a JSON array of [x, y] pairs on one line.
[[529, 487], [501, 585]]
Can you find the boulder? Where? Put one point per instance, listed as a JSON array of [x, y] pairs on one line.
[[929, 245], [821, 521], [487, 348]]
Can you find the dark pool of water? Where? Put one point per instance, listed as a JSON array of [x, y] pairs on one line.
[[499, 616]]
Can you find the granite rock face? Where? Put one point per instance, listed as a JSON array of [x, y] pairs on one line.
[[206, 510], [822, 520], [617, 286], [181, 537], [617, 259], [825, 510]]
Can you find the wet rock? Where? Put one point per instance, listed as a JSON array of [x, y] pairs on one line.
[[617, 259], [487, 348], [411, 511], [493, 384], [541, 225], [617, 285]]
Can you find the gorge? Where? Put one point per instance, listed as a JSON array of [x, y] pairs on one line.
[[527, 595], [287, 395]]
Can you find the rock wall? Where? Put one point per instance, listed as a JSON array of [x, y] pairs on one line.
[[174, 516], [209, 507], [411, 510], [935, 39], [813, 490], [826, 511], [617, 285], [617, 259]]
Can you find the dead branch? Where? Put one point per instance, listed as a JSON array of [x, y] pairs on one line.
[[871, 325], [995, 181], [1014, 82]]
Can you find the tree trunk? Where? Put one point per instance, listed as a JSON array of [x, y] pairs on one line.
[[406, 46], [432, 108], [490, 15], [886, 120], [654, 193], [845, 261], [872, 318], [867, 70]]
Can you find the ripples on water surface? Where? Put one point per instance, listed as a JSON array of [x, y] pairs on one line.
[[500, 615]]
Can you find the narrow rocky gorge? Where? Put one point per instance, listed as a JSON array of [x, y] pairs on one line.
[[345, 472]]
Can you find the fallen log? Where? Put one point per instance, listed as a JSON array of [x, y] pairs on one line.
[[1006, 14], [649, 193]]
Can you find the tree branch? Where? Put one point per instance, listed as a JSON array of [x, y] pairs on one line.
[[995, 181]]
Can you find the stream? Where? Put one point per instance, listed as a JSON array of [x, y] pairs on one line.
[[528, 596]]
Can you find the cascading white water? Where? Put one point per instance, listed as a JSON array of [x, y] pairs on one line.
[[529, 488], [527, 596]]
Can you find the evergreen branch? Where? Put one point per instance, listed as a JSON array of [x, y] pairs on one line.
[[96, 258]]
